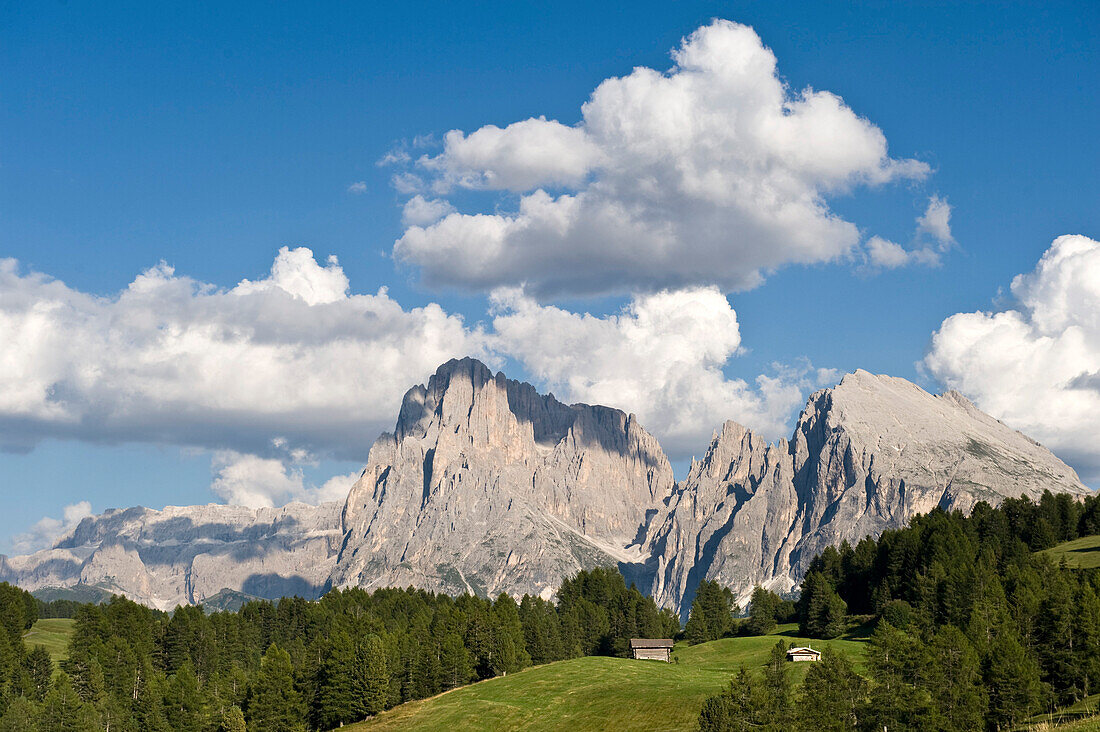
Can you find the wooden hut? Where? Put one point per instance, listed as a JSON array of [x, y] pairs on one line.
[[651, 649], [804, 653]]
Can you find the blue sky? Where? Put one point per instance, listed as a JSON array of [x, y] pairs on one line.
[[210, 137]]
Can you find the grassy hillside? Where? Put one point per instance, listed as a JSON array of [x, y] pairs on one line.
[[1082, 725], [95, 594], [597, 693], [1083, 553], [54, 633]]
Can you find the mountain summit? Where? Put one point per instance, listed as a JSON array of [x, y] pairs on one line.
[[866, 456], [486, 486]]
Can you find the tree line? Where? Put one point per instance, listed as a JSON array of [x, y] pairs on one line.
[[973, 627], [297, 665]]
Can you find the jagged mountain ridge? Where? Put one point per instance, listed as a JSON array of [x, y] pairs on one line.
[[188, 554], [485, 485], [865, 456], [488, 486]]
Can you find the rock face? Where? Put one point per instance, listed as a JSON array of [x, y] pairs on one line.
[[185, 555], [866, 456], [487, 486]]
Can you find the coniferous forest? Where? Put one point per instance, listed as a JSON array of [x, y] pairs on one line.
[[969, 627], [972, 629], [299, 665]]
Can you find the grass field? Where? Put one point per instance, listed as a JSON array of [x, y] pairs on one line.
[[54, 633], [1083, 553], [597, 693]]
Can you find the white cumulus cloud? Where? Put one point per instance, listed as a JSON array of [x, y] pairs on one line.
[[714, 172], [283, 370], [1036, 367], [253, 481], [45, 533], [420, 211], [936, 221], [174, 361], [661, 358], [930, 240]]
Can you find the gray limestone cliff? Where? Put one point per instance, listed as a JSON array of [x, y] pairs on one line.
[[184, 555], [866, 456], [487, 486]]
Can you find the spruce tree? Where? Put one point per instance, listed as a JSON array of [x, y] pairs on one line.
[[898, 700], [777, 694], [63, 710], [1012, 680], [833, 695], [274, 704], [376, 677], [184, 701], [339, 688], [508, 636], [739, 707], [233, 720], [823, 614], [697, 629], [762, 611], [39, 668], [455, 661], [1088, 638], [20, 716], [9, 659], [959, 700]]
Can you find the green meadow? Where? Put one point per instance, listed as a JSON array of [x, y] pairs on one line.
[[597, 692], [54, 634], [1083, 553]]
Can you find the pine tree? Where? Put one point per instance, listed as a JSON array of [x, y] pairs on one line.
[[20, 716], [184, 700], [833, 695], [339, 687], [63, 710], [762, 611], [274, 704], [39, 668], [376, 677], [955, 681], [1012, 679], [233, 720]]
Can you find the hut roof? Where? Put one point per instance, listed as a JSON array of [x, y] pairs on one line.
[[651, 643]]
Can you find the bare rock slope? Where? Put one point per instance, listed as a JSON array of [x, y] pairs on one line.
[[488, 486], [866, 456], [185, 555]]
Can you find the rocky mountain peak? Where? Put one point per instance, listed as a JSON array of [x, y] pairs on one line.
[[485, 485], [478, 460]]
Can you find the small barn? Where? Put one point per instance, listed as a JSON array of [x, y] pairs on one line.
[[651, 649], [803, 654]]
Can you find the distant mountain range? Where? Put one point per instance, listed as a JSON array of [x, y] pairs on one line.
[[487, 486]]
